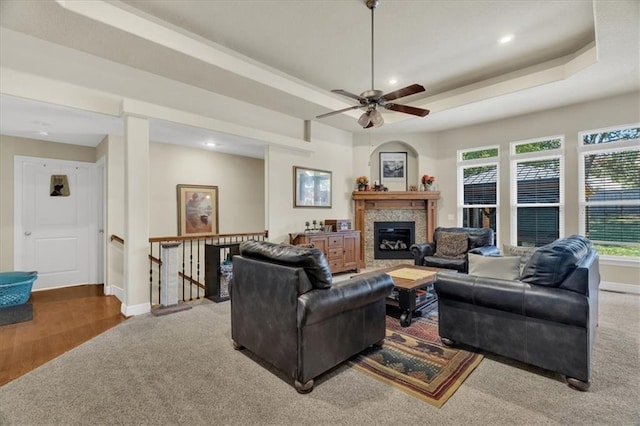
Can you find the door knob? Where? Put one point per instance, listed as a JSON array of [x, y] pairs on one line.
[[27, 233]]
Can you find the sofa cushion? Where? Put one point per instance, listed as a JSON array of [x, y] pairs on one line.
[[549, 265], [452, 245], [523, 252], [312, 260], [480, 237], [459, 265], [501, 267]]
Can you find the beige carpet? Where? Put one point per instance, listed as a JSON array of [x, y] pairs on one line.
[[182, 369]]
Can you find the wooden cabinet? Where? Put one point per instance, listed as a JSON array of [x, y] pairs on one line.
[[342, 249]]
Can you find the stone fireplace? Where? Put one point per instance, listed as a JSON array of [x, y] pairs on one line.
[[419, 207]]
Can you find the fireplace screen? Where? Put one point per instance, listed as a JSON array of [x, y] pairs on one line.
[[392, 240]]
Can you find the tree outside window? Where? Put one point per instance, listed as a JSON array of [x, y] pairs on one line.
[[479, 171], [610, 195]]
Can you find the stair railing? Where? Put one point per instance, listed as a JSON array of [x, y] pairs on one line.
[[191, 270]]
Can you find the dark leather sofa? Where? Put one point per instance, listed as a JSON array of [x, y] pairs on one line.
[[286, 310], [480, 241], [547, 318]]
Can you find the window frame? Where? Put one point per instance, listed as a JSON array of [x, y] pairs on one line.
[[461, 165], [514, 160], [584, 150]]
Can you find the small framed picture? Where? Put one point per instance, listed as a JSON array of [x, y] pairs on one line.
[[311, 188], [393, 170], [59, 186], [197, 210]]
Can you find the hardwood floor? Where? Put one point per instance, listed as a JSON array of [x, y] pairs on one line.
[[62, 319]]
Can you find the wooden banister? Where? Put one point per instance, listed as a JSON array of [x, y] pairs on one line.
[[264, 233]]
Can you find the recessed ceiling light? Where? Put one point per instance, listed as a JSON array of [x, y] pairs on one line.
[[506, 39], [393, 81], [43, 133], [211, 144]]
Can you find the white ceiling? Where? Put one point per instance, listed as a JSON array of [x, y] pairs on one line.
[[287, 55]]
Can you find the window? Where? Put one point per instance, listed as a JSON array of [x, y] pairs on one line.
[[610, 189], [537, 197], [478, 177]]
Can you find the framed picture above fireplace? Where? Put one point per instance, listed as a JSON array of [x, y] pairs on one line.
[[393, 170]]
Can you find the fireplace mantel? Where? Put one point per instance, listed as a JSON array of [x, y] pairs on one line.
[[395, 200]]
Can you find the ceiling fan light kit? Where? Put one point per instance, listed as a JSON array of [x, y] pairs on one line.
[[372, 99]]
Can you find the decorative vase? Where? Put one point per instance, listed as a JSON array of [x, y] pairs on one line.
[[361, 187], [426, 186]]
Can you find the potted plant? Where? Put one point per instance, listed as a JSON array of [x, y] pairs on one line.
[[427, 182], [362, 182]]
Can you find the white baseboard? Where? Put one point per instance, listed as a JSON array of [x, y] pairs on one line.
[[114, 290], [131, 310], [620, 287], [56, 287]]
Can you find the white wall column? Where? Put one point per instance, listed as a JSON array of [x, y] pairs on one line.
[[136, 216]]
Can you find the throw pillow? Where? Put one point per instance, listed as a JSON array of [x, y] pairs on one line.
[[501, 267], [524, 253], [453, 245]]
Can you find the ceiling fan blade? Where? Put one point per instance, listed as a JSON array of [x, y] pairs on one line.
[[405, 91], [407, 109], [338, 111], [349, 94]]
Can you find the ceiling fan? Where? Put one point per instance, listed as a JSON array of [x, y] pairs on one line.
[[373, 99]]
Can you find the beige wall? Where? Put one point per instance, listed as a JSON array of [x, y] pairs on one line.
[[437, 155], [567, 121], [421, 151], [334, 155], [10, 147], [249, 202], [240, 182]]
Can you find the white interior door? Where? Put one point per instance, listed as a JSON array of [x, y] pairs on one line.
[[55, 235]]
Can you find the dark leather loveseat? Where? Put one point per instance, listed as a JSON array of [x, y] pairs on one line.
[[286, 310], [547, 318], [479, 241]]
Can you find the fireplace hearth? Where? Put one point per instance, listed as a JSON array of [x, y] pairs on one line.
[[392, 240]]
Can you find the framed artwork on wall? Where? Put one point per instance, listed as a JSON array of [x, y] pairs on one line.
[[311, 188], [197, 210], [59, 186], [393, 170]]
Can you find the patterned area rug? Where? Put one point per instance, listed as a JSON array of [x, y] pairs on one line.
[[414, 360]]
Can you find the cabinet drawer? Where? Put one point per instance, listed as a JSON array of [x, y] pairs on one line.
[[335, 263], [335, 253], [335, 241]]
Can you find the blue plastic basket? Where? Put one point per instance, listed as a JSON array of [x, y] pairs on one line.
[[15, 287]]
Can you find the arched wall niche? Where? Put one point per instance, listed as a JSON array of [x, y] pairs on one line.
[[395, 146]]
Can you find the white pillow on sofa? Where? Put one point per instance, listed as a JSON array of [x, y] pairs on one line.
[[501, 267], [524, 253]]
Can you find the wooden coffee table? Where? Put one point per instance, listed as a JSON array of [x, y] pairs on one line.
[[412, 289]]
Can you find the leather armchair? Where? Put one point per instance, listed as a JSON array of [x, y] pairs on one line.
[[286, 310], [547, 318], [480, 241]]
